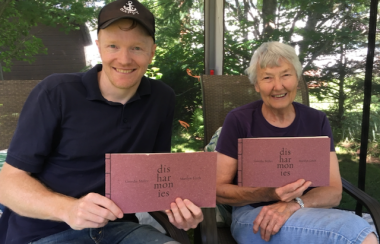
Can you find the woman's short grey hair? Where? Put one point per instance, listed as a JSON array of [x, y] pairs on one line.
[[269, 54]]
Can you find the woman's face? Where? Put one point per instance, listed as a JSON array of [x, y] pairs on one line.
[[277, 85]]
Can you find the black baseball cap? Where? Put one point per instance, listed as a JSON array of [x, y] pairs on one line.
[[126, 9]]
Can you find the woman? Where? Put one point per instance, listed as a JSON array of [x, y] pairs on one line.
[[272, 214]]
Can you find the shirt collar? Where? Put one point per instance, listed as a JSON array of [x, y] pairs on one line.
[[90, 81]]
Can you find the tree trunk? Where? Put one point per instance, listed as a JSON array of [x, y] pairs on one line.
[[311, 23], [3, 6], [269, 15], [341, 94], [1, 72], [243, 15]]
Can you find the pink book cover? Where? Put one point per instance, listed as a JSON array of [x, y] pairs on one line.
[[150, 182], [277, 161]]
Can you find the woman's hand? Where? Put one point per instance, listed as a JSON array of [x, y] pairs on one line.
[[290, 191], [272, 217]]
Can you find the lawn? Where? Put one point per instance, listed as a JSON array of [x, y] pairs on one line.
[[349, 167]]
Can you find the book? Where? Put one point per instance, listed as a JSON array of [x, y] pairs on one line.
[[150, 182], [277, 161]]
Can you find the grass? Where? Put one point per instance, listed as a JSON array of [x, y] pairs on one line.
[[349, 168], [182, 141]]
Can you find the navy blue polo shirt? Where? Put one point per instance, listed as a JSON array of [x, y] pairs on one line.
[[64, 131]]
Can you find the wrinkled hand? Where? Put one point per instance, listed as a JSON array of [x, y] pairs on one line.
[[290, 191], [272, 217], [92, 211], [184, 214]]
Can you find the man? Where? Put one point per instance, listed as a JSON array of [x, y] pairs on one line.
[[53, 180]]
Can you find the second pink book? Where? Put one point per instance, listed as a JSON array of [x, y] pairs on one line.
[[150, 182], [277, 161]]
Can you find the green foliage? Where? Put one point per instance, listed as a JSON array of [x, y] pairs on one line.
[[179, 38], [349, 126], [17, 17], [182, 141], [331, 30], [190, 139], [318, 29], [153, 73], [196, 128], [351, 130]]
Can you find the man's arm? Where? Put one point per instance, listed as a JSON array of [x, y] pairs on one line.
[[26, 196], [184, 214]]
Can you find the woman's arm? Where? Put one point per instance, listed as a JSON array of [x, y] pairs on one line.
[[271, 218], [227, 193], [326, 196]]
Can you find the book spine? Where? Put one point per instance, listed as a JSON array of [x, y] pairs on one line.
[[240, 159], [108, 175]]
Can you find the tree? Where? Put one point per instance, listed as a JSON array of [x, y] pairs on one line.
[[17, 17], [178, 35], [180, 46], [320, 30]]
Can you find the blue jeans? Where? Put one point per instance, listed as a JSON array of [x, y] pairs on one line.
[[307, 225], [112, 233]]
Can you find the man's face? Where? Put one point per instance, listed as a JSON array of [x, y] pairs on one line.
[[277, 85], [125, 55]]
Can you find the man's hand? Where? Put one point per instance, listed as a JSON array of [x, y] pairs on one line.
[[290, 191], [272, 217], [92, 211], [184, 214]]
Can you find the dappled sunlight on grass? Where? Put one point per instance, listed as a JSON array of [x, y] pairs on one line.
[[184, 142]]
